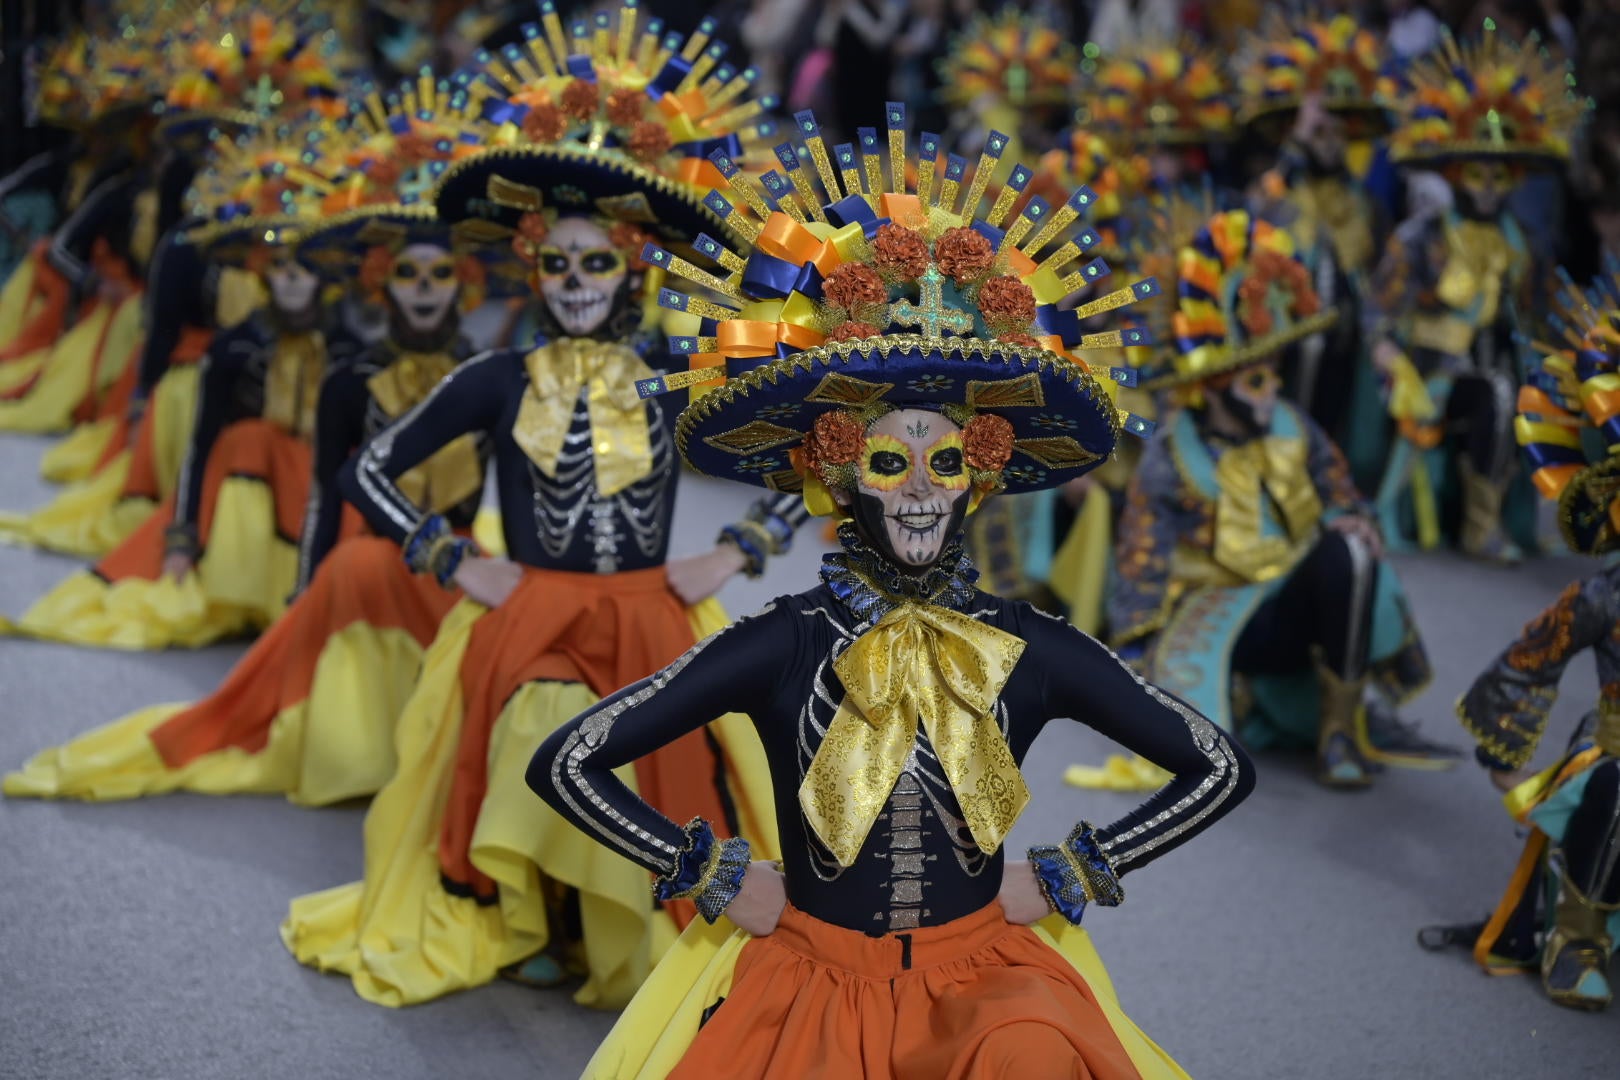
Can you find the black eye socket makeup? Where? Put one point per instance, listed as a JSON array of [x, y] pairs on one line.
[[888, 463], [947, 462]]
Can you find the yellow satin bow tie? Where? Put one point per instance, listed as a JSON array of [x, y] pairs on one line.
[[620, 440], [1477, 264], [919, 663], [454, 473], [1273, 467], [293, 384]]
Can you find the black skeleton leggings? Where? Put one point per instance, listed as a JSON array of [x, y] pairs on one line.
[[1326, 603], [1479, 417], [1591, 847]]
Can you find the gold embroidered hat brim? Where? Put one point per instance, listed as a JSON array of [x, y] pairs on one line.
[[337, 243], [1250, 353]]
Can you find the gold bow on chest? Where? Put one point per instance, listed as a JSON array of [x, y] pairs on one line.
[[621, 442], [1329, 203], [1478, 258], [1273, 467], [928, 664], [292, 385], [454, 473]]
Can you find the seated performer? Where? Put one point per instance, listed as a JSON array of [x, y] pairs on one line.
[[895, 700], [225, 540], [461, 881], [1561, 911], [1244, 548], [1453, 289], [310, 711]]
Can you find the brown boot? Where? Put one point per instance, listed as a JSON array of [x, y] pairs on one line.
[[1575, 959], [1339, 763], [1482, 535]]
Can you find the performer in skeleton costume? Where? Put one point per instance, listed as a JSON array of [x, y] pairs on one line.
[[1313, 87], [219, 557], [310, 711], [1561, 911], [1011, 72], [895, 699], [1453, 288], [1244, 547], [593, 142]]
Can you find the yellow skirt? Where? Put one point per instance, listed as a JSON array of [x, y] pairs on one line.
[[86, 359], [402, 938], [79, 454], [653, 1034], [95, 515]]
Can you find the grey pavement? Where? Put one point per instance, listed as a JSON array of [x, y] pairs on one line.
[[138, 940]]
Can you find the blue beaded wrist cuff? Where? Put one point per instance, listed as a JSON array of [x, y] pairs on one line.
[[432, 548], [708, 872], [1076, 873], [744, 540]]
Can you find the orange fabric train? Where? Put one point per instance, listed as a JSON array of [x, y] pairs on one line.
[[973, 999]]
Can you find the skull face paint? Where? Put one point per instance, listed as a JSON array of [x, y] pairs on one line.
[[581, 275], [1251, 396], [293, 286], [1483, 188], [912, 487], [423, 286]]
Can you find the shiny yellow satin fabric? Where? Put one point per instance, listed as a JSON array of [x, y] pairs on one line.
[[620, 439], [293, 383], [453, 474], [1478, 259], [927, 663], [1247, 474]]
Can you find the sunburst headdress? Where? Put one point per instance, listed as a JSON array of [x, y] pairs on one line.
[[1164, 93], [611, 117], [1568, 425], [1243, 293], [386, 157], [1012, 60], [1489, 98], [1333, 56], [851, 293]]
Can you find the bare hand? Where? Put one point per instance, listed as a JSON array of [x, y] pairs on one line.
[[1385, 355], [177, 564], [1362, 529], [698, 577], [1505, 781], [757, 908], [488, 581], [1022, 901]]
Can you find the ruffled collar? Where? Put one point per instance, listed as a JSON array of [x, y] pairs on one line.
[[871, 586]]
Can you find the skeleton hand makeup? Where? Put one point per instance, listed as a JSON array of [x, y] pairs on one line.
[[423, 287], [581, 275], [293, 287], [912, 487]]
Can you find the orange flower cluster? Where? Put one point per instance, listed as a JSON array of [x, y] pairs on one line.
[[987, 443], [545, 123], [1266, 269], [900, 251], [625, 107], [834, 441], [375, 268], [532, 231], [1007, 304], [580, 99], [648, 140], [630, 239], [963, 254], [852, 285]]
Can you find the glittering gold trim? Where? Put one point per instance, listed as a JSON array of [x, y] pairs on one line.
[[1251, 353], [839, 389], [752, 437], [1056, 452], [1024, 392], [965, 350], [1477, 148]]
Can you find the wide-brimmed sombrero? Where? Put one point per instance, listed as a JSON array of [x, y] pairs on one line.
[[1568, 426], [1160, 94], [1491, 98], [1345, 65], [1243, 294], [610, 118], [864, 294]]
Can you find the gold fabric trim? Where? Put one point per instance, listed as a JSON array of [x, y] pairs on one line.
[[621, 442], [752, 437], [837, 389], [1247, 474], [925, 663], [1022, 392], [292, 385], [454, 473], [1056, 452]]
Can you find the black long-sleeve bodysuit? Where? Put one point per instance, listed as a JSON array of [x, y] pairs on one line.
[[348, 417], [554, 523], [919, 865], [231, 387]]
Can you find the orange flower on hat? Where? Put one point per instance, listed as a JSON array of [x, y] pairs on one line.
[[963, 254], [987, 442], [580, 99], [545, 123], [900, 251]]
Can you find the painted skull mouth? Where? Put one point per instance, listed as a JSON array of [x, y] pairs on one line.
[[920, 522], [582, 309], [425, 311]]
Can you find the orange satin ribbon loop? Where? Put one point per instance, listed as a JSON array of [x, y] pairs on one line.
[[1533, 399], [1020, 264], [753, 337], [1551, 480], [1602, 405], [791, 242], [700, 173], [904, 210], [1421, 435]]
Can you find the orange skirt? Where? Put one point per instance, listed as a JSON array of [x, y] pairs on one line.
[[47, 307], [606, 631], [144, 480], [973, 999]]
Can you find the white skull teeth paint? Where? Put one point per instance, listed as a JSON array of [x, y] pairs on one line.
[[920, 522], [580, 311], [580, 275]]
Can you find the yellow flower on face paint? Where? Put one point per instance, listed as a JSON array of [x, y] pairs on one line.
[[940, 456], [885, 462]]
